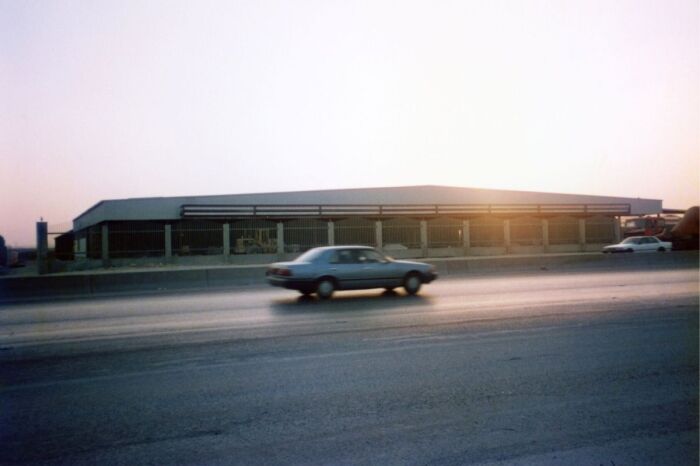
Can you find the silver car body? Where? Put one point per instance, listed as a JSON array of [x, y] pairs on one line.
[[639, 244], [348, 268]]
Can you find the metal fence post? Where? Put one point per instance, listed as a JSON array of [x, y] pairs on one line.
[[506, 235], [466, 240], [105, 245], [227, 240], [545, 234], [168, 241], [424, 237], [618, 229], [331, 233], [280, 238], [42, 247], [582, 234], [378, 233]]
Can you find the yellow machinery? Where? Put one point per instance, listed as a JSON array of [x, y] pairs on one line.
[[255, 242]]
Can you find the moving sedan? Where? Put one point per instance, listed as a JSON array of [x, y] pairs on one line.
[[326, 269], [639, 244]]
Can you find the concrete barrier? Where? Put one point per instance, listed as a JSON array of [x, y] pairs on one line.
[[45, 287]]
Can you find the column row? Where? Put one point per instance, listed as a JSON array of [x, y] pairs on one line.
[[280, 238]]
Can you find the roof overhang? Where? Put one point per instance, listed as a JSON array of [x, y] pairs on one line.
[[378, 210]]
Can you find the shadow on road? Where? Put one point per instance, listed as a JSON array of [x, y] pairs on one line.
[[349, 302]]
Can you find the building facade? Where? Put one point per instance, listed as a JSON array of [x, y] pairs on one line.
[[416, 221]]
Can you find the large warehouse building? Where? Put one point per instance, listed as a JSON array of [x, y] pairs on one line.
[[413, 221]]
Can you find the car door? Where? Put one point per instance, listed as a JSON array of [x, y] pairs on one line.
[[654, 244], [346, 268], [377, 271], [635, 244], [649, 245]]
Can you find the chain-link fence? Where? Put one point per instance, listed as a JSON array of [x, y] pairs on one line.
[[131, 239], [486, 232], [303, 234], [136, 239], [563, 230], [197, 238], [360, 231], [526, 231], [600, 229], [93, 242], [445, 233], [400, 233]]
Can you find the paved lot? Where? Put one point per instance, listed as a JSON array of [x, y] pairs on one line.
[[588, 367]]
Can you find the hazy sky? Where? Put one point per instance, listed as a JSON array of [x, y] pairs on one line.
[[114, 99]]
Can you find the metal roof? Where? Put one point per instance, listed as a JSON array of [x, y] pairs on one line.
[[408, 198]]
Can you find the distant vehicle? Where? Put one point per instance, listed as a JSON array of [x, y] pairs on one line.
[[685, 234], [639, 244], [650, 225], [327, 269]]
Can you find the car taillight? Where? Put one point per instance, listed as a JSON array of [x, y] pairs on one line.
[[284, 272]]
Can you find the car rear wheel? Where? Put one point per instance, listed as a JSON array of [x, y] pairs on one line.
[[662, 249], [325, 288], [412, 283]]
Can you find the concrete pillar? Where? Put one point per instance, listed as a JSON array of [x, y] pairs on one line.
[[378, 234], [506, 235], [168, 241], [582, 234], [424, 237], [227, 240], [82, 249], [466, 239], [105, 245], [331, 233], [280, 238], [545, 235], [42, 247], [618, 229]]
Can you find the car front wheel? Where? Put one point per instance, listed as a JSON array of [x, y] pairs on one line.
[[412, 283], [662, 249], [325, 288]]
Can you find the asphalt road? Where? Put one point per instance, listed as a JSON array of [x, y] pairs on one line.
[[596, 367]]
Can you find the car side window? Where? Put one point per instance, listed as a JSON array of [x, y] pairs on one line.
[[361, 256], [345, 257], [373, 256]]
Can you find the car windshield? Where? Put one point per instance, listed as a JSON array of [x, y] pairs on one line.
[[309, 256]]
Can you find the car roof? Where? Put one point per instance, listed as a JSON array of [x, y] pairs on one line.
[[348, 246]]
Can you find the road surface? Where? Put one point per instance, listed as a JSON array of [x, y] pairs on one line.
[[596, 367]]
